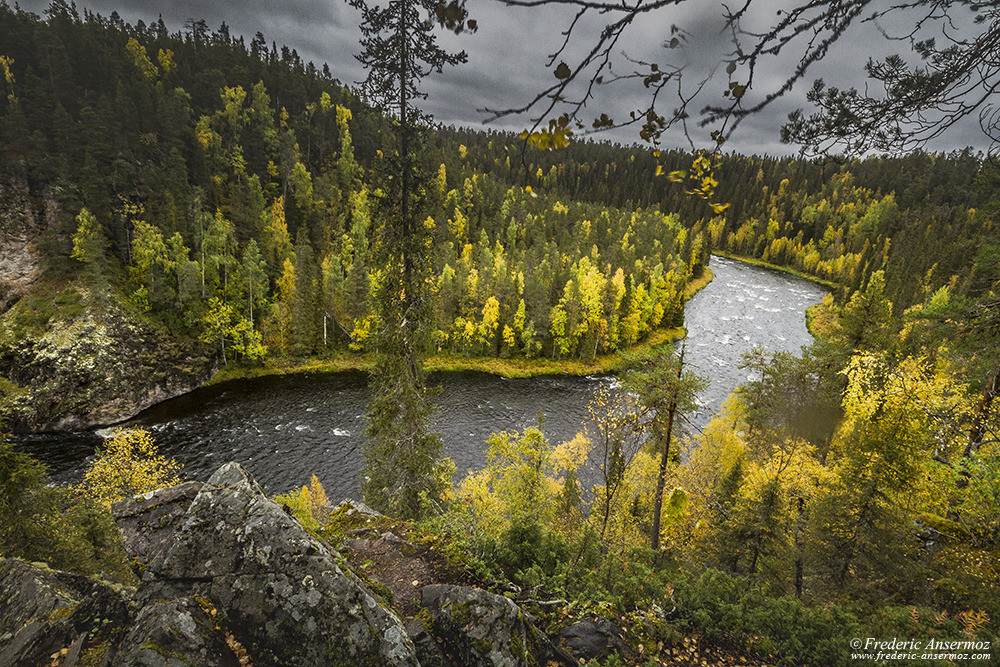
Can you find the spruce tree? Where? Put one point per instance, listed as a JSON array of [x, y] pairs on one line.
[[399, 49]]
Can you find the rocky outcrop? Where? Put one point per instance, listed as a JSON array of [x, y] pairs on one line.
[[175, 633], [147, 522], [44, 612], [91, 368], [21, 229], [275, 591], [229, 577], [479, 629]]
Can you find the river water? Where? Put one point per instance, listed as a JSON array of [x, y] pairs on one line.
[[285, 429]]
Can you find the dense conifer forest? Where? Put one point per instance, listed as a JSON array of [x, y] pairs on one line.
[[225, 191]]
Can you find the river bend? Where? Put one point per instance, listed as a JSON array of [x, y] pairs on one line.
[[284, 429]]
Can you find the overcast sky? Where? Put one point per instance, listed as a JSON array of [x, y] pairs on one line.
[[507, 58]]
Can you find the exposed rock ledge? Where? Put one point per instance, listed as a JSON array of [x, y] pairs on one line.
[[229, 578], [99, 367]]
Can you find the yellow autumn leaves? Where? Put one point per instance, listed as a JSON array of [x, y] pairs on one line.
[[128, 465]]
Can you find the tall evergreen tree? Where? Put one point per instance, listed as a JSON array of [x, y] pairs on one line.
[[399, 50]]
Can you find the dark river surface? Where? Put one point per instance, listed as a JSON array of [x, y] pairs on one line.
[[285, 429]]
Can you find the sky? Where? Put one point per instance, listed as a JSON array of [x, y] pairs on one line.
[[508, 57]]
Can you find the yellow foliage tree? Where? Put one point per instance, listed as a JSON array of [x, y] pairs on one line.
[[128, 465]]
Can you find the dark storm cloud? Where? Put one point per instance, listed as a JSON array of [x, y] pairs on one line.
[[507, 58]]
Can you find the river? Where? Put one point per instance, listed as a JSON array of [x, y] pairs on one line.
[[284, 429]]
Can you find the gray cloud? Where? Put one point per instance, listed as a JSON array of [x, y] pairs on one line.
[[507, 58]]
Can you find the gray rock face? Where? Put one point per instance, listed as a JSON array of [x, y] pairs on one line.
[[21, 228], [147, 522], [43, 611], [480, 629], [178, 633], [281, 594]]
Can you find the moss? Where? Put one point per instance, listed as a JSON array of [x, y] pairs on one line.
[[60, 613], [380, 590], [159, 650], [93, 655]]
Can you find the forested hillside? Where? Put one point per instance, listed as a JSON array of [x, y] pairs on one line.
[[224, 189], [921, 217], [228, 194]]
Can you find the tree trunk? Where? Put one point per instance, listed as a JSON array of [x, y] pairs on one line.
[[982, 412], [661, 478]]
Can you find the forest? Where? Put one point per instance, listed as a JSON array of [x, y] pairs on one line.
[[231, 193]]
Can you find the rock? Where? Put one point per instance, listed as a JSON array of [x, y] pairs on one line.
[[428, 652], [80, 362], [43, 611], [175, 634], [147, 522], [279, 592], [351, 507], [477, 628], [21, 230], [593, 639]]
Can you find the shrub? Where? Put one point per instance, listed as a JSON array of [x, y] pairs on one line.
[[128, 465]]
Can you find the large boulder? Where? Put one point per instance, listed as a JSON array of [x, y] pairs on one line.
[[594, 639], [476, 628], [278, 592], [45, 612]]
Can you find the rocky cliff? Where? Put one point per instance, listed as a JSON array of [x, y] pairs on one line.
[[70, 357], [22, 226], [77, 364], [228, 577]]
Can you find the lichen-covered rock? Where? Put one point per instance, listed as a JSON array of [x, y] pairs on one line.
[[90, 363], [428, 652], [593, 638], [147, 522], [281, 593], [43, 611], [352, 507], [479, 629], [176, 633]]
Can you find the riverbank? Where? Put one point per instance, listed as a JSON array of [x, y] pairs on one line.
[[829, 284], [504, 367], [821, 318]]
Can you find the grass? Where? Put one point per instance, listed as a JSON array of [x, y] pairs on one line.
[[698, 284], [821, 318], [511, 367]]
